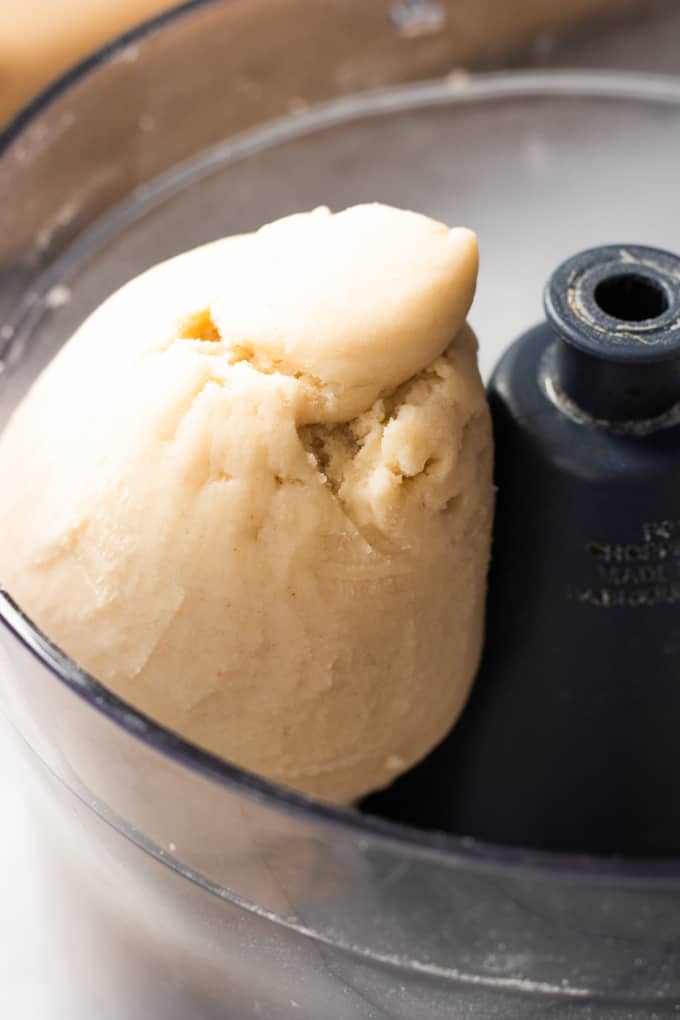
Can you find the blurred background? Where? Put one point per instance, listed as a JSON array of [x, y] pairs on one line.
[[42, 39]]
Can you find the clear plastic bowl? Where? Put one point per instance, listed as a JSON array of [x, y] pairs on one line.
[[194, 888]]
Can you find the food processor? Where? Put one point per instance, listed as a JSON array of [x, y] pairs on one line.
[[175, 884]]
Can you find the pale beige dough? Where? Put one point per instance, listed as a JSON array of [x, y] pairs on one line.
[[253, 495]]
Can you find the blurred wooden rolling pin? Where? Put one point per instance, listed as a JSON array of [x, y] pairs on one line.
[[41, 39]]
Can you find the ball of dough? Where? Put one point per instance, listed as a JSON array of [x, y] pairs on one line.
[[252, 495]]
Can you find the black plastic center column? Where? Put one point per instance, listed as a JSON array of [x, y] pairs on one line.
[[617, 312], [570, 740]]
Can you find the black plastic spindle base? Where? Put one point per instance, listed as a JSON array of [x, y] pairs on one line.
[[571, 738]]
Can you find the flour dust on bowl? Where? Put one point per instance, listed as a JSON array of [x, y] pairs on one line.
[[183, 885]]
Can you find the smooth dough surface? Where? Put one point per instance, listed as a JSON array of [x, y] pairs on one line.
[[253, 495]]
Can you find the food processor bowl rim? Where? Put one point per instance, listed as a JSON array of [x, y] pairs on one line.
[[504, 84], [449, 849]]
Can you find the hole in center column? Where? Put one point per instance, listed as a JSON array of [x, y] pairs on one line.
[[631, 297]]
